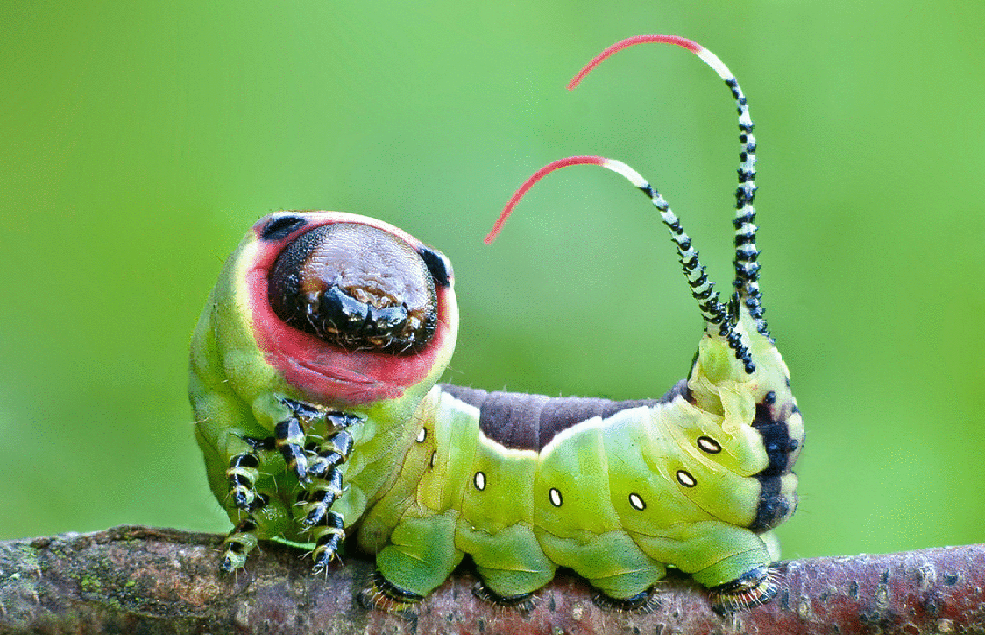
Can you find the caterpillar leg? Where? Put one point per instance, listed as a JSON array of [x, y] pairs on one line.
[[522, 601], [326, 486], [315, 466], [387, 596], [421, 555], [266, 517], [612, 562], [242, 474], [510, 562], [733, 563], [238, 544], [752, 588], [290, 437], [642, 602], [327, 528]]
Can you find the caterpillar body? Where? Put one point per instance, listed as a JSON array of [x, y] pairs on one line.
[[313, 378]]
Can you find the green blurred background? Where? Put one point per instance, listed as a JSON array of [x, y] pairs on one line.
[[140, 141]]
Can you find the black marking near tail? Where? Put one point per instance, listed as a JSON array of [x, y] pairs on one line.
[[773, 507]]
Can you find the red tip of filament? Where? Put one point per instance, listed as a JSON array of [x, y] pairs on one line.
[[538, 175], [676, 40]]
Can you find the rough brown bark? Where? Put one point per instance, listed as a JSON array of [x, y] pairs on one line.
[[144, 580]]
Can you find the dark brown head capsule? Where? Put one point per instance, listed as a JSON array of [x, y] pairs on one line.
[[355, 286]]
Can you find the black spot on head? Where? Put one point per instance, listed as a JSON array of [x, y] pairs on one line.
[[437, 264], [281, 227]]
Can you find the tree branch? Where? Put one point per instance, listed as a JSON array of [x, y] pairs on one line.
[[147, 580]]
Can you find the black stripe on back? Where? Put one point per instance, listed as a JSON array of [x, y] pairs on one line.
[[529, 422]]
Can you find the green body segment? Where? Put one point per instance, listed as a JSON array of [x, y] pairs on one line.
[[603, 497]]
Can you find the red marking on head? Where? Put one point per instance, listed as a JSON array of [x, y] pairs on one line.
[[676, 40], [322, 371], [529, 183]]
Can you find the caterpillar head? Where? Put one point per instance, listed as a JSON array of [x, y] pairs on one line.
[[737, 356], [344, 308]]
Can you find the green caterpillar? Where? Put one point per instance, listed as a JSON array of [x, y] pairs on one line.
[[313, 381]]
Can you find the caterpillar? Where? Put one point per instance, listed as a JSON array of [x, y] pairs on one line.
[[313, 379]]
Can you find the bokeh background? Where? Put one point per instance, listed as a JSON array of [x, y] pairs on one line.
[[139, 141]]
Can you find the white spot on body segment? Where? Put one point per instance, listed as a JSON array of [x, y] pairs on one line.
[[480, 481], [709, 445], [685, 479], [422, 435], [555, 496]]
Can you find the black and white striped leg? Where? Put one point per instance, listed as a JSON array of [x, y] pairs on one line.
[[326, 456], [290, 440], [317, 468], [242, 474], [291, 434], [326, 526], [239, 543], [329, 535], [319, 498]]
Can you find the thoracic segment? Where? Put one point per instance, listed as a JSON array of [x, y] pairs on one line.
[[313, 443]]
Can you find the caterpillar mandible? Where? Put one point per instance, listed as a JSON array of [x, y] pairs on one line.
[[313, 378]]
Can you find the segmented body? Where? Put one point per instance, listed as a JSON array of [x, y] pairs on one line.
[[313, 378]]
